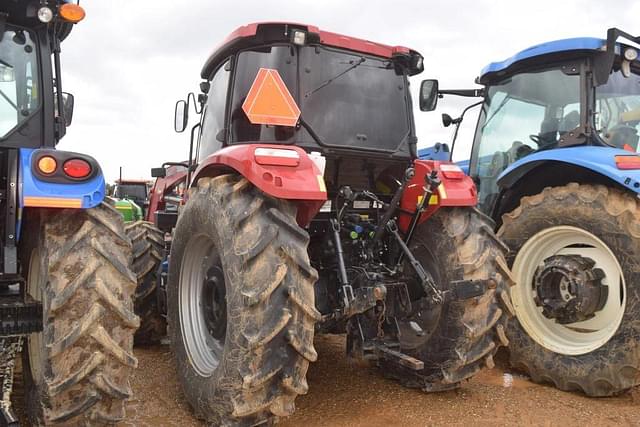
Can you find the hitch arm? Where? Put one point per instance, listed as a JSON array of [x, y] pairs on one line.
[[347, 290], [395, 201], [431, 183], [426, 280]]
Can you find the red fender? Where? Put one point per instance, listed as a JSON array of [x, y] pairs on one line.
[[289, 178], [457, 189]]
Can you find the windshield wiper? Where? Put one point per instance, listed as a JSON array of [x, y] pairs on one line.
[[504, 101], [6, 98], [329, 81]]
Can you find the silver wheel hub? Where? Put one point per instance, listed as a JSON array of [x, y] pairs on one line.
[[202, 305]]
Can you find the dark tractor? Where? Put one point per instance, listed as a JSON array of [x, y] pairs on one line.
[[555, 158], [308, 212], [65, 277]]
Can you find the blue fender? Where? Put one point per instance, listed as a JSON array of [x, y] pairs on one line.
[[597, 159], [35, 192], [464, 165]]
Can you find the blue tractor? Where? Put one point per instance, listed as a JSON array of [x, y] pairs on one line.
[[555, 158], [66, 281]]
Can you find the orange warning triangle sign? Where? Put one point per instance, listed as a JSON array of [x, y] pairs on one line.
[[269, 102]]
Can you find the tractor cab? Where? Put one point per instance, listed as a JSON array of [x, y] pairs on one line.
[[30, 82], [323, 92], [583, 91], [560, 94]]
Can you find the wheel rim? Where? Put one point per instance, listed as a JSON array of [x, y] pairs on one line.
[[202, 305], [573, 338], [34, 341]]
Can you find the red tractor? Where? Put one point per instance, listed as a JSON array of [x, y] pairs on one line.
[[308, 211]]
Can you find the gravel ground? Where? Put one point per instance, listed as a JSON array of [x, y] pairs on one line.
[[342, 394]]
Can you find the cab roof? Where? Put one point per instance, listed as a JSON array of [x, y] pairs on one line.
[[574, 45], [546, 52], [261, 33]]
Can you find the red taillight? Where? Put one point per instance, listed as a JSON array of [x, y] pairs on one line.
[[451, 171], [77, 168], [627, 162]]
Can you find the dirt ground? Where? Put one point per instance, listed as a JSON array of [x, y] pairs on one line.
[[348, 396]]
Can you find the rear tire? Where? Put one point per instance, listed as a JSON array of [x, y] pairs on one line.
[[597, 364], [77, 263], [460, 336], [242, 358], [148, 253]]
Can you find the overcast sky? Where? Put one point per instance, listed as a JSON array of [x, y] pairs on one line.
[[130, 60]]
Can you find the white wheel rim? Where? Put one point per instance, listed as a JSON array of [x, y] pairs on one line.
[[575, 338], [34, 341]]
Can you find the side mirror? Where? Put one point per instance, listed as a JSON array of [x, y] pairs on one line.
[[158, 172], [181, 116], [68, 101], [428, 95], [446, 120]]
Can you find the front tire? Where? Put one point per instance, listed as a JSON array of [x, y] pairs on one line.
[[77, 263], [597, 356], [458, 337], [241, 303]]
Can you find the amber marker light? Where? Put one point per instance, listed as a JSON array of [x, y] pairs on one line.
[[71, 13], [47, 165]]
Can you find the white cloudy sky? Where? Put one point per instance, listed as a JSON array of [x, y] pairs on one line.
[[130, 60]]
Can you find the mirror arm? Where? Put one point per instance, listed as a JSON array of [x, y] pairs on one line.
[[471, 93], [183, 164], [191, 163], [458, 122]]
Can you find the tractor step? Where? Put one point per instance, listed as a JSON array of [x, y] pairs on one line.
[[19, 317]]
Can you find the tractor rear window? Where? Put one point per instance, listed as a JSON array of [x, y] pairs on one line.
[[347, 99], [19, 96], [132, 191]]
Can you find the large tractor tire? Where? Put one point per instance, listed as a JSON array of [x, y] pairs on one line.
[[459, 337], [241, 303], [77, 263], [148, 252], [580, 243]]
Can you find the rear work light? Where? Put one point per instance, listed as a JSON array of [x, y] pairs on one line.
[[451, 171], [627, 162], [276, 157], [76, 168], [47, 165]]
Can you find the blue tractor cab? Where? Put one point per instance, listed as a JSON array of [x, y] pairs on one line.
[[65, 270], [555, 158]]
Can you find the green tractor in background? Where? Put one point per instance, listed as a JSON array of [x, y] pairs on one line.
[[131, 199], [129, 209]]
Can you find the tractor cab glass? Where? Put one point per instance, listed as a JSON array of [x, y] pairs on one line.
[[523, 114], [19, 94], [131, 191], [347, 99], [617, 119]]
